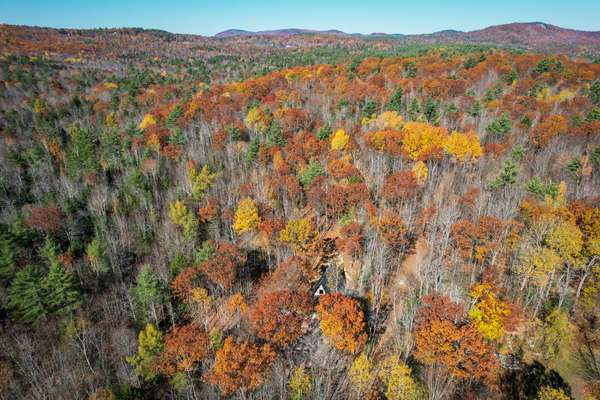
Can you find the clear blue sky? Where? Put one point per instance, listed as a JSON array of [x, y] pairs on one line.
[[209, 17]]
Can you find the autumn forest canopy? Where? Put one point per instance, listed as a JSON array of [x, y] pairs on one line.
[[308, 216]]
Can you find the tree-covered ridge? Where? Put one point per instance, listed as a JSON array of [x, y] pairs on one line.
[[423, 224]]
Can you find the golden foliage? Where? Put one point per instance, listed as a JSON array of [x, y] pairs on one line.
[[148, 120], [488, 314], [298, 233], [546, 95], [539, 263], [549, 393], [110, 85], [566, 239], [385, 120], [246, 216], [257, 120], [423, 141], [396, 376], [237, 303], [150, 346], [421, 172], [342, 321], [463, 147], [300, 384], [361, 373], [339, 140]]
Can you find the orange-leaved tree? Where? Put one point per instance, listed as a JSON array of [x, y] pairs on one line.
[[277, 316], [222, 268], [185, 346], [240, 365], [449, 348], [342, 321]]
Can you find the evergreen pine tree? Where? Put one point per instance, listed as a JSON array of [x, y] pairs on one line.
[[174, 116], [25, 295], [253, 150], [475, 109], [60, 295], [593, 115], [431, 110], [368, 108], [413, 110], [395, 102], [275, 135], [147, 292], [507, 176], [7, 256], [324, 132], [500, 126], [82, 155]]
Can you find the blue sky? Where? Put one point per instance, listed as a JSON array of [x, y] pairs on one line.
[[366, 16]]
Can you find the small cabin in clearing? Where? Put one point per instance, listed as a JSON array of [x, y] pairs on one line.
[[332, 280]]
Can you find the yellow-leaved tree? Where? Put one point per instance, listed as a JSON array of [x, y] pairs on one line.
[[421, 172], [148, 120], [182, 216], [488, 313], [246, 216], [423, 141], [396, 376], [361, 373], [550, 393], [298, 233], [300, 384], [463, 147], [339, 140], [150, 347], [387, 120], [257, 120], [200, 180]]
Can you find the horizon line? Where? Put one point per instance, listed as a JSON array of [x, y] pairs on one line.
[[309, 30]]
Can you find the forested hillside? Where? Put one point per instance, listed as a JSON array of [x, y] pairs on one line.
[[351, 221]]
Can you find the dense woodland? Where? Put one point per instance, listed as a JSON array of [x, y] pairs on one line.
[[336, 221]]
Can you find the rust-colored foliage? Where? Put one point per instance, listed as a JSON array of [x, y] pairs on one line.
[[441, 340], [351, 240], [222, 268], [240, 365], [47, 219], [548, 129], [183, 284], [342, 321], [392, 230], [342, 198], [270, 226], [185, 346], [388, 141], [277, 317], [210, 211], [342, 168], [400, 186], [171, 151], [475, 241]]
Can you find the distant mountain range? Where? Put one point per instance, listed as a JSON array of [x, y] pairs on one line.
[[279, 32], [125, 42], [530, 34]]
